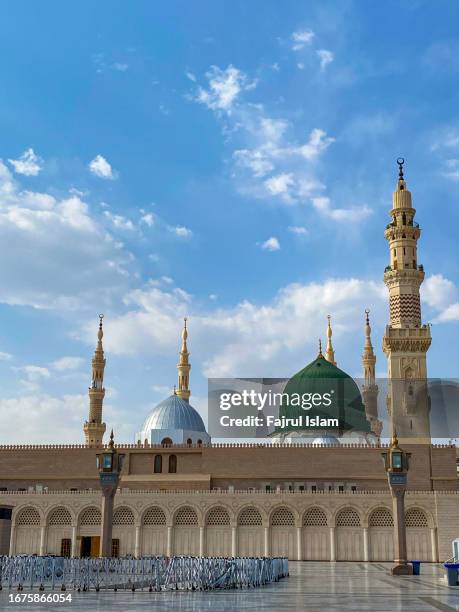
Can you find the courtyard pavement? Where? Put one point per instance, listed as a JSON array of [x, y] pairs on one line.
[[315, 587]]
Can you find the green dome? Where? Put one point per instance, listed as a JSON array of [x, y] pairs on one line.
[[332, 393]]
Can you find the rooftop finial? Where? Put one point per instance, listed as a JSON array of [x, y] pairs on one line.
[[400, 162], [320, 348], [330, 353], [112, 440], [175, 390], [394, 442], [367, 318], [100, 333]]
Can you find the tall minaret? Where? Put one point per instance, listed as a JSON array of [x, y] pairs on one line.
[[406, 339], [330, 353], [184, 367], [94, 428], [369, 387]]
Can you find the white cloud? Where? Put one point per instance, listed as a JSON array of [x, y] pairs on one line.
[[224, 87], [148, 219], [120, 66], [298, 230], [5, 356], [191, 76], [302, 38], [437, 291], [34, 373], [28, 163], [100, 167], [272, 244], [67, 363], [318, 143], [181, 231], [44, 419], [451, 313], [326, 57], [255, 338], [355, 213], [57, 252], [280, 184], [119, 221]]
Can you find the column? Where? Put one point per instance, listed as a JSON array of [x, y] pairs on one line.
[[201, 541], [74, 552], [399, 526], [266, 541], [137, 542], [106, 528], [42, 540], [169, 541], [233, 541], [366, 556], [433, 539], [12, 539], [299, 555], [332, 544]]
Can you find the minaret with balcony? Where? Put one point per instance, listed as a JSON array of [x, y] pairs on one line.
[[406, 339]]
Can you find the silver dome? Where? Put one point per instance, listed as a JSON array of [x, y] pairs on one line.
[[174, 413], [326, 440]]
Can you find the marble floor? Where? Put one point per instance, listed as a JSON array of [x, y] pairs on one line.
[[313, 587]]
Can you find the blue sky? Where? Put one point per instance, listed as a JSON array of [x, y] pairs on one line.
[[233, 162]]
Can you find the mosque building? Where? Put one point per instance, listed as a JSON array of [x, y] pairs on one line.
[[320, 495]]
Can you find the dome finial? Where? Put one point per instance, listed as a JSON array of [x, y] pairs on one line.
[[175, 390], [330, 353]]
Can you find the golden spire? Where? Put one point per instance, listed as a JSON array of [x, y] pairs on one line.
[[184, 366], [330, 353], [94, 428]]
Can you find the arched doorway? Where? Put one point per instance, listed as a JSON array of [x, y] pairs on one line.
[[418, 544], [218, 533], [154, 532], [349, 536], [283, 535], [186, 532], [250, 541], [381, 535], [315, 535]]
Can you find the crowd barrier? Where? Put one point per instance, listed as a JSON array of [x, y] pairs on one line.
[[148, 573]]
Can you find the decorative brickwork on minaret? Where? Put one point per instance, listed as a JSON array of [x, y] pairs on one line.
[[184, 367], [406, 340], [94, 428]]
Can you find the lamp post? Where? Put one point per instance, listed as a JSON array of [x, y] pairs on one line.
[[109, 464], [396, 464]]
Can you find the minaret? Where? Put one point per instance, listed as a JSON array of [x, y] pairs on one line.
[[93, 428], [184, 367], [406, 339], [330, 353], [369, 387]]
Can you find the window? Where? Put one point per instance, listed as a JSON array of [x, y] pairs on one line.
[[314, 488], [353, 488], [189, 441], [341, 488], [66, 547], [166, 442], [330, 487], [301, 487], [115, 547], [158, 467], [172, 464], [199, 442], [267, 488]]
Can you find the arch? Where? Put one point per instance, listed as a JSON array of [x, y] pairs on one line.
[[349, 535], [380, 517], [172, 464], [123, 516], [380, 534], [218, 532], [418, 539], [250, 533], [154, 515], [315, 517], [282, 516], [217, 515], [154, 533], [186, 515], [89, 516], [158, 464], [347, 517], [59, 516], [28, 517], [186, 531], [249, 516], [166, 442], [189, 441], [415, 517]]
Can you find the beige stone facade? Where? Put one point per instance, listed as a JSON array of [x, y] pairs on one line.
[[351, 526]]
